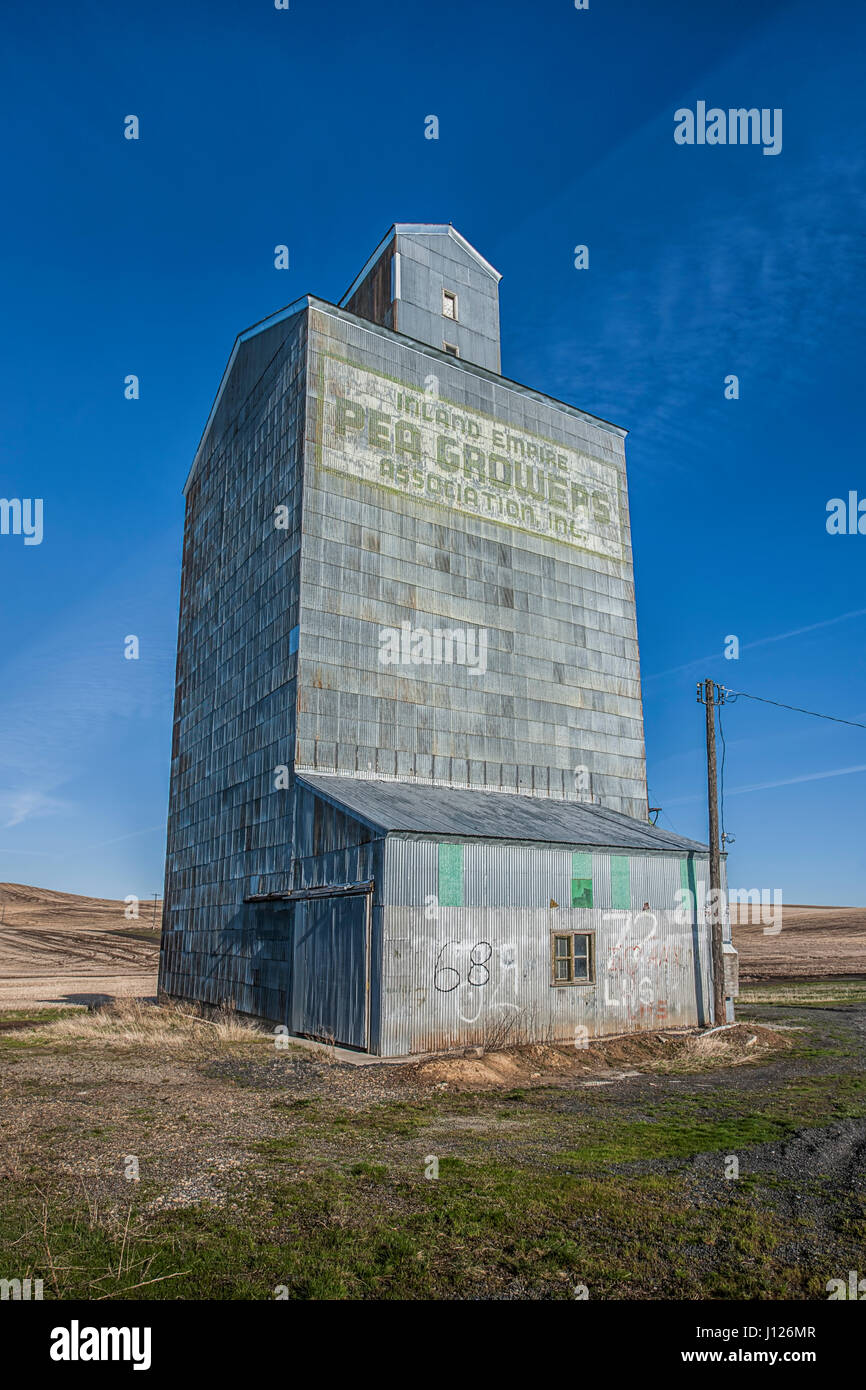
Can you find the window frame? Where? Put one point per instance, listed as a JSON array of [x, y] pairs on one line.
[[450, 348], [450, 297], [569, 934]]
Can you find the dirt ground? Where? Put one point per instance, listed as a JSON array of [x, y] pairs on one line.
[[814, 942], [150, 1152], [146, 1154], [61, 948]]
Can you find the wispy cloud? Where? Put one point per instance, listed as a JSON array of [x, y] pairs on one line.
[[759, 642], [133, 835], [696, 287], [21, 806], [767, 786]]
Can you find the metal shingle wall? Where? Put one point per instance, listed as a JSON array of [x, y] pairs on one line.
[[431, 262], [561, 688], [331, 847], [230, 829]]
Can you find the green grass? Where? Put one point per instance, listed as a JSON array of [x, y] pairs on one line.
[[805, 993], [631, 1141], [36, 1014], [279, 1147], [333, 1202], [21, 1040], [480, 1228], [365, 1169]]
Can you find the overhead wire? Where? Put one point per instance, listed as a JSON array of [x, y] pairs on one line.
[[733, 695]]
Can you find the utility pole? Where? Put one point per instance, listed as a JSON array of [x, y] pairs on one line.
[[710, 695], [153, 918]]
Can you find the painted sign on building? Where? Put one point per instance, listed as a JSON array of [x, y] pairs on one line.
[[386, 433]]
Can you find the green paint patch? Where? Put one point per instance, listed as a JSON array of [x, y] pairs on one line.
[[581, 892], [450, 875], [620, 883], [581, 879]]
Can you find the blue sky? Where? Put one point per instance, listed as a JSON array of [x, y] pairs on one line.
[[306, 127]]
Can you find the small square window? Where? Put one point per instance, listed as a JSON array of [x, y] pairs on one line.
[[449, 347], [573, 958], [449, 305]]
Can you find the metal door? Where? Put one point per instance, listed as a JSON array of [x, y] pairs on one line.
[[331, 969]]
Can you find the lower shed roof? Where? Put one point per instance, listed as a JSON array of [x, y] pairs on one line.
[[414, 808]]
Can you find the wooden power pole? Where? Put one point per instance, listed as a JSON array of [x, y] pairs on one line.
[[710, 695]]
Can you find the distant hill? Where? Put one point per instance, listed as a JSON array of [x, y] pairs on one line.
[[23, 905], [815, 942], [65, 948]]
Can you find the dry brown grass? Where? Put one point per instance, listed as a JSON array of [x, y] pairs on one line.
[[138, 1024], [733, 1045]]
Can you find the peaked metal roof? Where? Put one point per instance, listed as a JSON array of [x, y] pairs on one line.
[[420, 809], [409, 229]]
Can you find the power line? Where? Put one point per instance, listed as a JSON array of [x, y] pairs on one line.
[[662, 813], [734, 694]]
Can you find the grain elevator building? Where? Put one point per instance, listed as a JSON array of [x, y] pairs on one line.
[[408, 801]]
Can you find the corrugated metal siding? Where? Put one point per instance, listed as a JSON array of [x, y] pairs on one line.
[[410, 871], [512, 875], [601, 880], [529, 877], [648, 974], [483, 976], [246, 963], [654, 879]]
